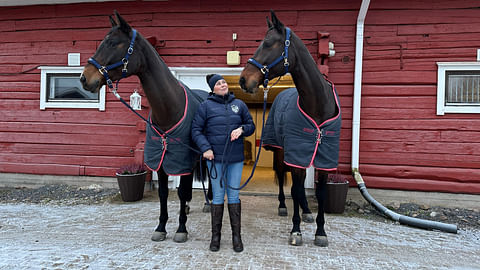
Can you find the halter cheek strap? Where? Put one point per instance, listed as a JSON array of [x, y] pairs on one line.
[[104, 69], [266, 68]]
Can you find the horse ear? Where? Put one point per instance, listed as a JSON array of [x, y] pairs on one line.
[[124, 26], [112, 21], [276, 22], [269, 23]]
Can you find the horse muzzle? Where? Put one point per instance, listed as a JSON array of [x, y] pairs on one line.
[[92, 85], [248, 86]]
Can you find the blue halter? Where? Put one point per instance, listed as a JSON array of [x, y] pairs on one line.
[[104, 69], [266, 68]]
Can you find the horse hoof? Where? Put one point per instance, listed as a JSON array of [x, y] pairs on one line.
[[206, 208], [159, 236], [308, 218], [282, 212], [321, 241], [295, 239], [180, 237]]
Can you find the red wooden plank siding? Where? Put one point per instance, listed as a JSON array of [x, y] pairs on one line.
[[404, 145]]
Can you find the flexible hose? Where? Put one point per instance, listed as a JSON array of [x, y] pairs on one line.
[[414, 222]]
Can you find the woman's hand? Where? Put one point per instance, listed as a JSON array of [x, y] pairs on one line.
[[236, 133], [208, 154]]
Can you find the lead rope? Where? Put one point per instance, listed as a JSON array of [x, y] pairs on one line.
[[202, 178], [104, 71], [265, 95]]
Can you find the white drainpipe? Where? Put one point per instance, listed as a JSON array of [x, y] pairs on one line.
[[357, 85]]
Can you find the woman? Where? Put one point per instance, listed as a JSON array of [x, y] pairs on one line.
[[218, 129]]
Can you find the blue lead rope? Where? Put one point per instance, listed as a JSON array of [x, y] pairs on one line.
[[265, 95], [104, 71]]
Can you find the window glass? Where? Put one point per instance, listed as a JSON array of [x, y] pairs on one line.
[[67, 87], [463, 87]]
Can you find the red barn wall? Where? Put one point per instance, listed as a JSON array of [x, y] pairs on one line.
[[404, 145]]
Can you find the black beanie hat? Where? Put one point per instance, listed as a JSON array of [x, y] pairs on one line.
[[212, 79]]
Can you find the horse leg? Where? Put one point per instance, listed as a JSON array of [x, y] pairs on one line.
[[160, 233], [280, 168], [298, 192], [185, 195], [321, 193], [307, 215], [282, 207]]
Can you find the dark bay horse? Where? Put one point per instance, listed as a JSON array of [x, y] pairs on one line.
[[124, 53], [314, 100]]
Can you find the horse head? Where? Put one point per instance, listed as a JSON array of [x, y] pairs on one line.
[[271, 58], [114, 58]]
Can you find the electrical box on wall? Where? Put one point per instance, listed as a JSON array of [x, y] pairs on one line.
[[233, 58], [74, 59]]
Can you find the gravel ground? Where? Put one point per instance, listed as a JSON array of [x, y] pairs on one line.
[[95, 194], [58, 194]]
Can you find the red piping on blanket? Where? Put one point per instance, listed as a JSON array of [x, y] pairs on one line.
[[318, 129], [172, 128]]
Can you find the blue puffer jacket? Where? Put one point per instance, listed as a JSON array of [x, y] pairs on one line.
[[213, 123]]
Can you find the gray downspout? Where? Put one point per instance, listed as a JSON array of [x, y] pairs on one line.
[[357, 96]]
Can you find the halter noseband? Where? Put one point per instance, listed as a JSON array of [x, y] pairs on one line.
[[266, 68], [104, 69]]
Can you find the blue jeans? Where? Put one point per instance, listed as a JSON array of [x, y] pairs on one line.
[[233, 174]]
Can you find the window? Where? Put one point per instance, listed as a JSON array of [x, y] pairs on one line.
[[60, 87], [458, 87]]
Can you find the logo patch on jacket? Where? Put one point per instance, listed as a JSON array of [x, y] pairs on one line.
[[235, 108]]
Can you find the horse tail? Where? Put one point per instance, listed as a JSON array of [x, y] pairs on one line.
[[201, 174], [199, 170]]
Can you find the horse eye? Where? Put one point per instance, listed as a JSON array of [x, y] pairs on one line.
[[267, 43], [112, 43]]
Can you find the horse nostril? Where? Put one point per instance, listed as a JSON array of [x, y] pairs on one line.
[[83, 79], [242, 82]]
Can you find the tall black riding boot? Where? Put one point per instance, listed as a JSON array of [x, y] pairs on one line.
[[234, 210], [217, 216]]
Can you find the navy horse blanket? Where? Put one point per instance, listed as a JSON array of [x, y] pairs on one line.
[[165, 151], [305, 142]]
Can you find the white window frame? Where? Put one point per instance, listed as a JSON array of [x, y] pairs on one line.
[[44, 104], [443, 67]]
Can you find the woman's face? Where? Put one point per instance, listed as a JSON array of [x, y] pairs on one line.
[[220, 88]]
